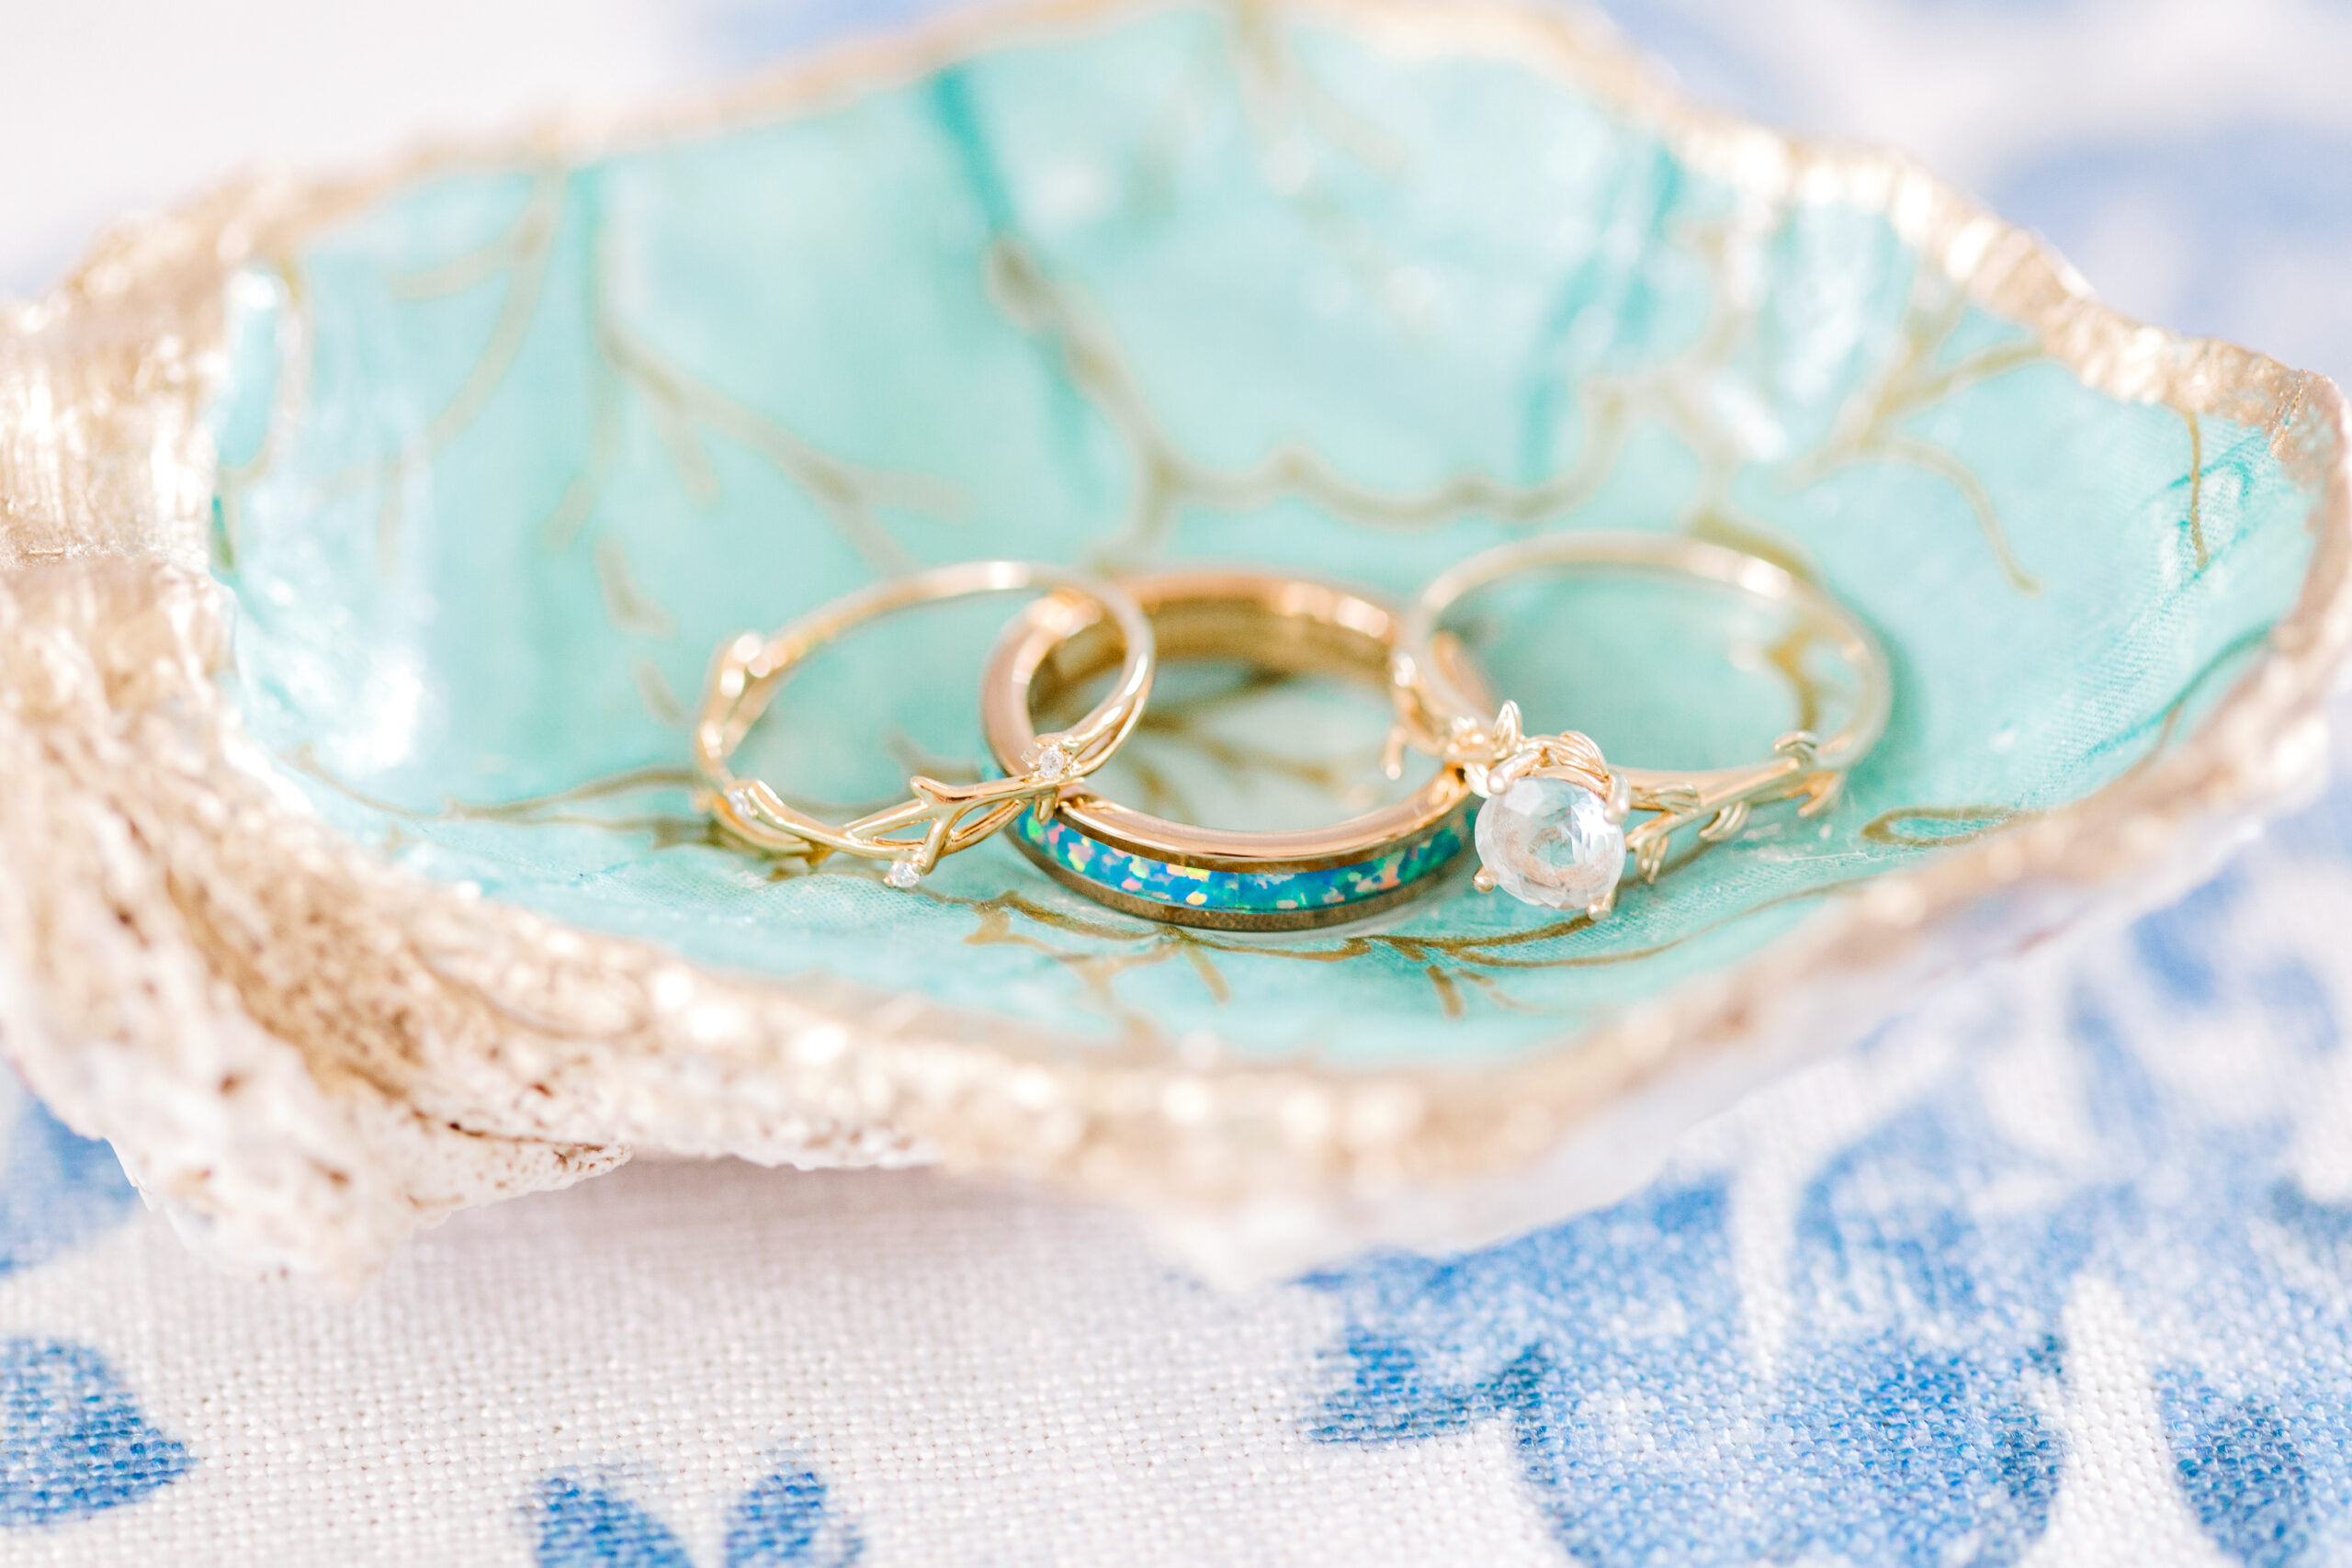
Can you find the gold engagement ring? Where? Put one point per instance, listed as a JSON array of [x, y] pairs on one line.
[[1553, 828]]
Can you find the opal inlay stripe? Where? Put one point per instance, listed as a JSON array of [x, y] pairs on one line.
[[1255, 892]]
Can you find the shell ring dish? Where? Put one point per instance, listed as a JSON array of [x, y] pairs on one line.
[[1558, 823]]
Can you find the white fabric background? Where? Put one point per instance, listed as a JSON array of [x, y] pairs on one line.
[[986, 1380]]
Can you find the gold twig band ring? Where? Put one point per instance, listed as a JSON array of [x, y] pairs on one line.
[[1202, 876], [1554, 829], [938, 818]]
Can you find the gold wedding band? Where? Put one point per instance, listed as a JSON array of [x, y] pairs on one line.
[[1203, 876]]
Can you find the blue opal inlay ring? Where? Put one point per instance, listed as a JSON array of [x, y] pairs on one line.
[[1212, 877]]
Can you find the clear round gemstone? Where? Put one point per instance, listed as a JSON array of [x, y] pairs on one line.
[[902, 875], [1549, 841], [1048, 763]]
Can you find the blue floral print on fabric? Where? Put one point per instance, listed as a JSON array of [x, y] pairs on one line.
[[57, 1188], [73, 1439], [2243, 1474], [785, 1520], [581, 1522], [1617, 1364], [1902, 1412]]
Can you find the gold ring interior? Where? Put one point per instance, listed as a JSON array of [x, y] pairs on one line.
[[1279, 622]]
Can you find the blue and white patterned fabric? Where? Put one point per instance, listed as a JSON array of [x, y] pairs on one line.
[[2057, 1271]]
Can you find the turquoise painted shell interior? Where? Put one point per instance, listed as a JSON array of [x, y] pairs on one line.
[[506, 454]]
